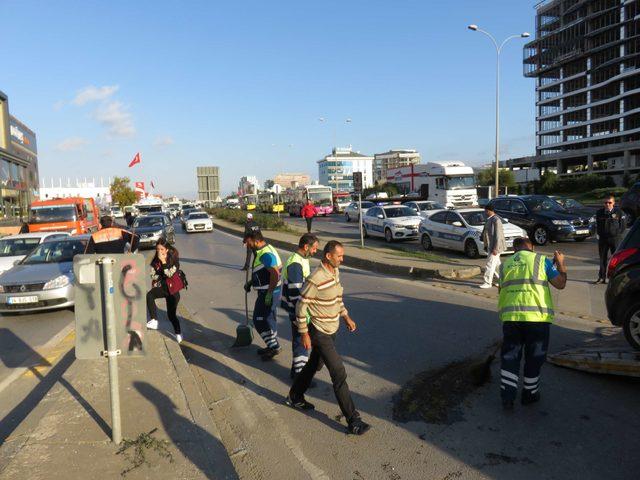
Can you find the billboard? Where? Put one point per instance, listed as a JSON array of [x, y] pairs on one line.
[[21, 135]]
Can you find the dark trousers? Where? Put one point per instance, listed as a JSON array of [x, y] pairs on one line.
[[606, 246], [265, 319], [247, 260], [299, 353], [323, 349], [309, 222], [172, 305], [534, 338]]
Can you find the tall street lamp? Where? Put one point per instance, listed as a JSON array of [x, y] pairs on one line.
[[498, 51]]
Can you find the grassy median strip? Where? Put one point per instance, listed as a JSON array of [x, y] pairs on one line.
[[402, 252], [266, 221]]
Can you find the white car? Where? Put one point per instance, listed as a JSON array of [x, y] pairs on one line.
[[15, 247], [198, 222], [393, 222], [351, 212], [424, 207], [462, 230], [116, 212]]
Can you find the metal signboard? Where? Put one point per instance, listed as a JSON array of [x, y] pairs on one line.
[[129, 282], [357, 182]]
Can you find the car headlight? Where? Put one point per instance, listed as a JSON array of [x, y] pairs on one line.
[[58, 282], [560, 222], [157, 233], [592, 220]]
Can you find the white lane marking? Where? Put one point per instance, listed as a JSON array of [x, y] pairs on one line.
[[17, 372]]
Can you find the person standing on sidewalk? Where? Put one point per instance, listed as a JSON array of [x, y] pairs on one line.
[[610, 224], [494, 245], [525, 308], [318, 315], [164, 266], [296, 270], [249, 226], [266, 279], [308, 212]]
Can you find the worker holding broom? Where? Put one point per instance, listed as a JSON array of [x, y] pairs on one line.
[[525, 307], [266, 280]]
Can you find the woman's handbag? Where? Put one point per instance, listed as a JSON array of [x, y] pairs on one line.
[[176, 283]]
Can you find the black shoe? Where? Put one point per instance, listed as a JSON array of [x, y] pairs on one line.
[[529, 398], [507, 405], [263, 350], [270, 353], [299, 404], [358, 427]]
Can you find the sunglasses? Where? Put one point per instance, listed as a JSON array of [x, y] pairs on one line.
[[608, 203]]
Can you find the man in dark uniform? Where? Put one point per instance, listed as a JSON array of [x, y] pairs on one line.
[[610, 224], [112, 239], [249, 227]]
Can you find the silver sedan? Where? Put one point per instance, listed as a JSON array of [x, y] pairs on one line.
[[351, 211]]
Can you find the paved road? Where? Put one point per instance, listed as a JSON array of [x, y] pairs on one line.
[[404, 328]]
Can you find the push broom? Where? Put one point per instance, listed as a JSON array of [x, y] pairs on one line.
[[244, 333]]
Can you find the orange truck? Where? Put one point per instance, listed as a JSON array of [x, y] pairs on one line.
[[75, 215]]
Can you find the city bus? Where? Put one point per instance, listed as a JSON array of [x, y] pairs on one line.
[[269, 202], [320, 195], [249, 201]]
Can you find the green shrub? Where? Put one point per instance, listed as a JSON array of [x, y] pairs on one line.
[[265, 221], [551, 184], [603, 192]]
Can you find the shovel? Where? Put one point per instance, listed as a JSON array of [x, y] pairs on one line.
[[244, 333]]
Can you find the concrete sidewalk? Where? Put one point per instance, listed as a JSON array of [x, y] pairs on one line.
[[67, 435], [382, 260]]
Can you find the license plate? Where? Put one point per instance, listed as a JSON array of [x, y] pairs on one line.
[[17, 300], [582, 232], [509, 243]]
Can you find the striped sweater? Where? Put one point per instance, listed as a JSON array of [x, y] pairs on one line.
[[321, 301]]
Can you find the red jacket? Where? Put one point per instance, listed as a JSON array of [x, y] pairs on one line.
[[308, 211]]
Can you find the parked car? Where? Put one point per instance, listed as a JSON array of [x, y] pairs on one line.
[[351, 211], [15, 247], [573, 206], [393, 222], [151, 228], [424, 207], [543, 218], [44, 279], [198, 222], [630, 203], [622, 296], [116, 212], [461, 230]]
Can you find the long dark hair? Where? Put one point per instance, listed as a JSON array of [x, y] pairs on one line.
[[172, 251]]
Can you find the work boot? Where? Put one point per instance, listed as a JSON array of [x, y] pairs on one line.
[[270, 353], [358, 427], [299, 404], [529, 398]]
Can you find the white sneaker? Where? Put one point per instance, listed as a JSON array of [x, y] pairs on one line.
[[179, 338], [485, 285], [152, 324]]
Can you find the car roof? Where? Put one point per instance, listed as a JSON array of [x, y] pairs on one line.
[[392, 206], [465, 210], [32, 235]]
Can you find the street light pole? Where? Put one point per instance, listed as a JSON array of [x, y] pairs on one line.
[[498, 51]]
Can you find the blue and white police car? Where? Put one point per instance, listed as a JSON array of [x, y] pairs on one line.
[[462, 230], [392, 222]]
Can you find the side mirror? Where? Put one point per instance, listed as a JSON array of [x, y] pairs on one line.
[[380, 216], [457, 223]]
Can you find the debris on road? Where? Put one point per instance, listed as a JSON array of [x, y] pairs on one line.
[[144, 441], [623, 361]]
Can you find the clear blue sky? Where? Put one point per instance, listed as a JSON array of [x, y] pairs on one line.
[[241, 84]]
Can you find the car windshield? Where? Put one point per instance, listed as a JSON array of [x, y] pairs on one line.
[[320, 199], [423, 206], [155, 221], [56, 252], [569, 203], [400, 212], [58, 213], [198, 216], [543, 204], [467, 181], [13, 247]]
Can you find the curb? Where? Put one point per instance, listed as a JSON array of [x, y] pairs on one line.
[[378, 267]]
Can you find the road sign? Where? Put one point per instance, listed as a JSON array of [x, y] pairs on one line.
[[357, 182], [128, 289]]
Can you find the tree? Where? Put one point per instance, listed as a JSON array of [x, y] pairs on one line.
[[506, 178], [121, 193]]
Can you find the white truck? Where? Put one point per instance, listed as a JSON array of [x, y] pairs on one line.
[[452, 184]]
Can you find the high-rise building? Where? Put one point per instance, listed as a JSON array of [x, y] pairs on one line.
[[292, 180], [585, 59], [336, 170], [392, 160], [208, 185]]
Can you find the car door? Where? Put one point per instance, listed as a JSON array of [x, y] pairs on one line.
[[370, 220], [519, 214], [456, 231], [436, 228]]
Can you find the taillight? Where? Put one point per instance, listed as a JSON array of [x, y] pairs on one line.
[[618, 258]]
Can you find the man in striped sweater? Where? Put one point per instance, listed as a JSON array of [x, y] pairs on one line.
[[318, 315]]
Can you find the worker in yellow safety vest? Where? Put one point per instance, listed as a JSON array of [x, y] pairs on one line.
[[525, 307]]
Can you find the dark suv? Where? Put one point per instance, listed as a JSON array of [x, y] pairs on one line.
[[623, 292], [543, 218]]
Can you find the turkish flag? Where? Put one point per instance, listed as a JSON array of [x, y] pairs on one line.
[[135, 160]]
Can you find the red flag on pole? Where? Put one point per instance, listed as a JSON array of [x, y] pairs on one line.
[[135, 160]]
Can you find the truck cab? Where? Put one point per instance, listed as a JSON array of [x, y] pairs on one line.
[[452, 184], [75, 215]]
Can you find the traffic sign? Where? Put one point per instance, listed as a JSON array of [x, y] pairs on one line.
[[357, 182]]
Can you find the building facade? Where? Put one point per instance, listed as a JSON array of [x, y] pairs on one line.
[[18, 166], [248, 185], [585, 59], [100, 191], [336, 170], [392, 160], [291, 180], [208, 185]]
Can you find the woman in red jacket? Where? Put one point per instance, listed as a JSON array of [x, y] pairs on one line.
[[308, 212]]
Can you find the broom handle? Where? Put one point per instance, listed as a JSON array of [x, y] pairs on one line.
[[246, 298]]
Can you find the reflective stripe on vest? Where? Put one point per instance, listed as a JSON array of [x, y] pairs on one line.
[[525, 295], [260, 275]]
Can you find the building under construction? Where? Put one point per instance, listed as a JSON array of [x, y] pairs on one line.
[[585, 60]]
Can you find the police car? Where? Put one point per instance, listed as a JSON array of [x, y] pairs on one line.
[[392, 222], [462, 230]]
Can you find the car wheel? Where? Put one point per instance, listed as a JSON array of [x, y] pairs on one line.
[[540, 235], [426, 242], [346, 217], [471, 249], [582, 239], [631, 325], [364, 232], [388, 236]]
